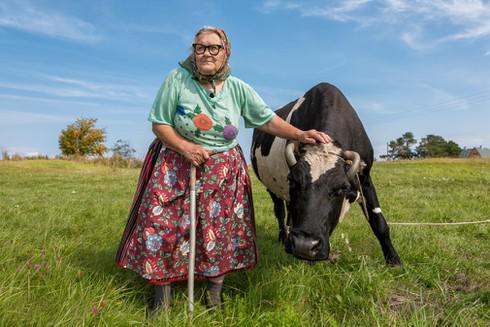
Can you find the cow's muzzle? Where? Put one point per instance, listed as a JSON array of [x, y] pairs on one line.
[[305, 247]]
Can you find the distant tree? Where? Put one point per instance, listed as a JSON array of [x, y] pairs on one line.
[[433, 146], [401, 148], [82, 139], [453, 149], [123, 150], [5, 154]]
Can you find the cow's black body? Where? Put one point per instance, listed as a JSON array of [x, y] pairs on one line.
[[314, 204]]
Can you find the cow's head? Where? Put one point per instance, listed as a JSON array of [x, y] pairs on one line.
[[321, 178]]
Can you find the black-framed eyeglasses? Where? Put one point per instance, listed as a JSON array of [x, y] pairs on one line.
[[213, 49]]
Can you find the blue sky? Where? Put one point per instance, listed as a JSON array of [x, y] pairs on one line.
[[421, 66]]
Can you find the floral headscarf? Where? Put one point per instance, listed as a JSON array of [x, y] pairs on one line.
[[190, 64]]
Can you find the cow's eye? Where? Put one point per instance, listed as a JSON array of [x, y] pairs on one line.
[[338, 192]]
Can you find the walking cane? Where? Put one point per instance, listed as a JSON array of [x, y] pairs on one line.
[[192, 251]]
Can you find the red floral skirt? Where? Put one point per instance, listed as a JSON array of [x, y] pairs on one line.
[[156, 242]]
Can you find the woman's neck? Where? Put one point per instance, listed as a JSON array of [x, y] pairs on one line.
[[208, 86]]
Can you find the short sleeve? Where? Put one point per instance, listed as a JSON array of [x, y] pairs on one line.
[[255, 111], [165, 104]]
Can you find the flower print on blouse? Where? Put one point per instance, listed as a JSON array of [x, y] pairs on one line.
[[203, 125]]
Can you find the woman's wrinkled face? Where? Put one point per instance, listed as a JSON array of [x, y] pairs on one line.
[[206, 63]]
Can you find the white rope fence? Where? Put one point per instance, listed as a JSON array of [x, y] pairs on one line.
[[486, 221]]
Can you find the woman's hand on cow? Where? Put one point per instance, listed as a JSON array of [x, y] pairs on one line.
[[313, 136], [196, 154]]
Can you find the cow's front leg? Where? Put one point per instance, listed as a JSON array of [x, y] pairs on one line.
[[280, 215], [378, 223]]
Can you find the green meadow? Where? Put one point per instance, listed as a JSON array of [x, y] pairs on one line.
[[61, 221]]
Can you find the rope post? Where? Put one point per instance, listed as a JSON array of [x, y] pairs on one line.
[[192, 251]]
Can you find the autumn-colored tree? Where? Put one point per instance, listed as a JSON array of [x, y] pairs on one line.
[[82, 139]]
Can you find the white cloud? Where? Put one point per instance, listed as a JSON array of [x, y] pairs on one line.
[[30, 102], [69, 87], [23, 15], [15, 117], [397, 5], [415, 20], [344, 11], [115, 91], [339, 10], [471, 33], [271, 5], [38, 99], [414, 39]]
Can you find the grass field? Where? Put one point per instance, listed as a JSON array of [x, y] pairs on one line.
[[60, 223]]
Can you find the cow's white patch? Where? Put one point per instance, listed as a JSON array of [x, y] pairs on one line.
[[273, 170], [321, 159], [377, 210]]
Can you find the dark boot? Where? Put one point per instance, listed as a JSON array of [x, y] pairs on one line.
[[162, 298], [214, 299]]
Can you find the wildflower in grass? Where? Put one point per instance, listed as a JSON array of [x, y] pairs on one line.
[[37, 267], [94, 310]]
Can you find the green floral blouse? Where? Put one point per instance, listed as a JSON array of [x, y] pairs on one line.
[[185, 104]]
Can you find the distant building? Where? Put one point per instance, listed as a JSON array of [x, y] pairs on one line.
[[479, 152]]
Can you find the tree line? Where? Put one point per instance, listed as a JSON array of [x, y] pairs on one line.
[[431, 146], [83, 139]]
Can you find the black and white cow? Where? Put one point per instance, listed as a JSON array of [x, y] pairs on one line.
[[317, 182]]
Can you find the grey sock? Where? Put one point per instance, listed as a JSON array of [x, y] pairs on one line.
[[162, 297], [214, 299]]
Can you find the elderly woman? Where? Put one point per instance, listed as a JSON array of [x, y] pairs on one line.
[[196, 116]]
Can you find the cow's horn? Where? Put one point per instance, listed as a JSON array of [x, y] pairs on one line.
[[289, 153], [356, 160]]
